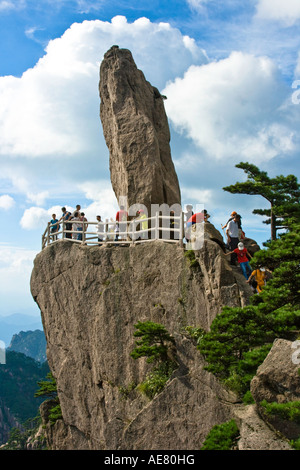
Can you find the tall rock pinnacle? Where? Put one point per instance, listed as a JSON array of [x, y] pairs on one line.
[[137, 134]]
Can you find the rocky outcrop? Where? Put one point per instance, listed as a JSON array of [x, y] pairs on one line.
[[90, 299], [255, 432], [137, 134], [277, 381]]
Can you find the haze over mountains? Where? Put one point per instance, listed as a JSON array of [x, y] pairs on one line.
[[13, 324]]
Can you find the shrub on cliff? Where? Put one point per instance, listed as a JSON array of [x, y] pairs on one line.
[[154, 344], [48, 388], [222, 437], [157, 345]]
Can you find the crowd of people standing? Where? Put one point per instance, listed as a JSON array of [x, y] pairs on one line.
[[76, 223]]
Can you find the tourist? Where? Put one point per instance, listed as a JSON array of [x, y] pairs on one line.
[[143, 224], [233, 213], [54, 227], [259, 277], [75, 225], [232, 233], [243, 256], [78, 208], [206, 215], [66, 215], [121, 219], [100, 229], [189, 212], [81, 227], [188, 228], [174, 226]]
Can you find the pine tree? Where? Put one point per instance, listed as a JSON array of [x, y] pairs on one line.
[[47, 388], [154, 343], [240, 338], [158, 346], [282, 192]]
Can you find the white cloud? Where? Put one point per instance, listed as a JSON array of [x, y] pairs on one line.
[[53, 109], [15, 271], [197, 4], [38, 198], [15, 259], [6, 202], [49, 117], [85, 6], [34, 218], [232, 108], [37, 218], [103, 197], [30, 33], [8, 5], [103, 203], [287, 11]]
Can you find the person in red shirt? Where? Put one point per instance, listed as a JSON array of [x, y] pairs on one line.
[[121, 219], [243, 256]]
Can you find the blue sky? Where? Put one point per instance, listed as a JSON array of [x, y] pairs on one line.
[[230, 71]]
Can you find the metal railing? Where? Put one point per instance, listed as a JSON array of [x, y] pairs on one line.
[[160, 227]]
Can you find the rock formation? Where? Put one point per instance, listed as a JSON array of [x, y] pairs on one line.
[[277, 381], [90, 298], [136, 131]]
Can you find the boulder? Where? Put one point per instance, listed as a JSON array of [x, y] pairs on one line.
[[277, 381]]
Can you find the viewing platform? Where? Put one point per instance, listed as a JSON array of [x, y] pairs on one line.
[[171, 229]]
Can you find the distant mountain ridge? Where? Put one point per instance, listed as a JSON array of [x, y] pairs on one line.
[[13, 324], [30, 343], [26, 364]]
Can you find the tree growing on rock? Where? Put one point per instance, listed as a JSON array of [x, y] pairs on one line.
[[155, 342], [282, 192], [240, 337], [158, 346]]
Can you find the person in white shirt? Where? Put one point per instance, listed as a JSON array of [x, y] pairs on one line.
[[75, 225], [100, 229], [232, 233]]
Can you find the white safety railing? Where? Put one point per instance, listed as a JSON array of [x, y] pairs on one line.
[[160, 227]]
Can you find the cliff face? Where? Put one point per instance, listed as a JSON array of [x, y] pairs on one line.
[[136, 131], [90, 298]]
